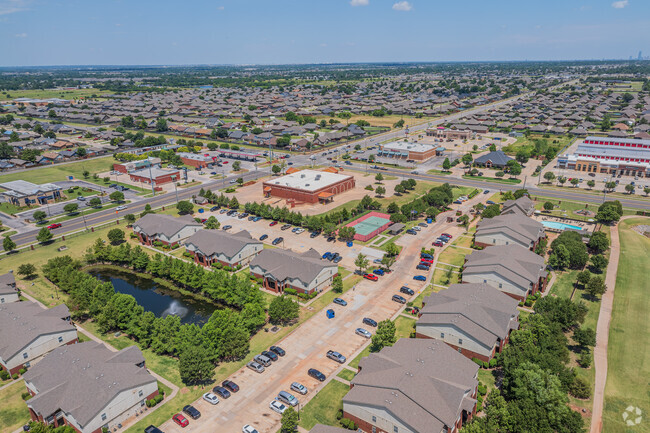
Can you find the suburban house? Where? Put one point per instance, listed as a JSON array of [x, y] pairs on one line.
[[88, 387], [217, 246], [23, 193], [415, 386], [8, 291], [522, 206], [167, 229], [496, 159], [513, 269], [512, 228], [474, 319], [27, 332], [286, 269]]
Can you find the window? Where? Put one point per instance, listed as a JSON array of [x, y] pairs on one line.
[[442, 335], [140, 393], [374, 418], [395, 429], [460, 341], [374, 429], [25, 355], [103, 417], [60, 339], [2, 300], [500, 285], [142, 402]]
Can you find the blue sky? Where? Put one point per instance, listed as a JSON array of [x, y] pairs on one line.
[[145, 32]]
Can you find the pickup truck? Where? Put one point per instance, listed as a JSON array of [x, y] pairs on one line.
[[336, 356]]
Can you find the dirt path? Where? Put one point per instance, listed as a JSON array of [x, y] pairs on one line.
[[602, 333]]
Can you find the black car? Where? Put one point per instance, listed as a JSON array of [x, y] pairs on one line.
[[337, 259], [192, 412], [313, 234], [152, 429], [411, 232], [227, 227], [400, 299], [230, 385], [331, 239], [277, 240], [263, 237], [270, 355], [214, 208], [406, 290], [277, 350], [316, 374], [221, 391], [251, 218], [368, 321]]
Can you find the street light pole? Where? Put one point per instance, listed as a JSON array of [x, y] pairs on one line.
[[153, 190]]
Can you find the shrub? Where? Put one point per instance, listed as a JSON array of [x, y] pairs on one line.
[[133, 236], [22, 371], [493, 362], [25, 395], [479, 407], [4, 375], [158, 244], [482, 389], [14, 376], [485, 365], [217, 265], [291, 291], [348, 424], [478, 361], [585, 359], [339, 414], [187, 254], [580, 388], [528, 303]]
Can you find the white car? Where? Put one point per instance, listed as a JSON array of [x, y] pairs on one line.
[[277, 406], [120, 208], [248, 429], [210, 398], [300, 230], [363, 332]]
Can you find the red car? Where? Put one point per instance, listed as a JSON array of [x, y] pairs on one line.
[[428, 261], [54, 226], [180, 420], [447, 235], [437, 244], [371, 277], [273, 223], [224, 162]]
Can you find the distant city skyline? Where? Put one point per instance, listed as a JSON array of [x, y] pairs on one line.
[[117, 32]]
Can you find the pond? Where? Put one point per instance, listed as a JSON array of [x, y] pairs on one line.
[[159, 300]]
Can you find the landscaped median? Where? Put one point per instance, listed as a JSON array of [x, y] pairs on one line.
[[493, 179]]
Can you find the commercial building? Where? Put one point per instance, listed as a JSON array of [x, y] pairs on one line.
[[474, 319], [513, 269], [128, 167], [154, 175], [610, 155], [27, 332], [88, 387], [196, 160], [451, 134], [23, 193], [217, 246], [415, 386], [408, 150], [509, 229], [496, 159], [309, 186], [8, 291], [286, 269], [167, 229]]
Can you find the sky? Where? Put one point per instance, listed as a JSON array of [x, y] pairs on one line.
[[165, 32]]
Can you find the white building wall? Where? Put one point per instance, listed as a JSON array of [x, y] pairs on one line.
[[9, 297], [40, 346], [496, 281], [384, 419], [499, 239], [452, 334]]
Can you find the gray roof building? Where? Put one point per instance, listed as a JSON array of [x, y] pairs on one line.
[[421, 385], [523, 206], [8, 284], [166, 227], [222, 245], [493, 159], [509, 228]]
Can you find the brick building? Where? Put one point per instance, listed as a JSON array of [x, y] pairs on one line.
[[308, 186], [167, 229], [408, 150], [155, 175], [217, 246], [610, 155]]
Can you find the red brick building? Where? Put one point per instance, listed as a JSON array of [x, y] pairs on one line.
[[155, 175], [309, 186]]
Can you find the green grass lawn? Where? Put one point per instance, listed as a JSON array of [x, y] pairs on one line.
[[493, 179], [487, 378], [11, 209], [417, 302], [346, 374], [443, 277], [529, 143], [323, 407], [13, 410], [453, 256], [404, 326], [52, 93], [628, 349], [439, 172]]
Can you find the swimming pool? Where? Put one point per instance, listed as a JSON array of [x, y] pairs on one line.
[[560, 226]]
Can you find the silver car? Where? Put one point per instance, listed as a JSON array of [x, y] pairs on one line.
[[264, 360], [299, 388], [363, 332], [287, 398], [255, 367]]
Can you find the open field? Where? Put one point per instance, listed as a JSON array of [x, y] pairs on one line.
[[493, 179], [529, 143], [388, 120], [628, 349], [322, 408], [51, 93], [14, 413]]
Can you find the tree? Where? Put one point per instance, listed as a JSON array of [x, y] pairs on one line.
[[117, 196], [549, 176], [184, 207], [446, 165], [646, 190], [391, 249], [379, 177], [585, 337], [583, 278], [560, 258], [609, 212], [195, 365], [44, 235], [380, 191], [467, 159], [337, 284], [576, 249], [599, 262], [236, 166], [161, 125], [491, 211], [522, 156], [283, 310], [399, 189], [499, 174], [27, 270], [596, 286], [212, 223], [95, 202], [289, 421], [606, 123], [629, 188], [71, 208], [611, 185], [276, 169], [361, 262], [385, 336], [591, 183], [116, 236], [130, 218], [548, 206], [515, 169], [562, 180], [575, 181], [388, 261], [39, 216], [598, 242], [8, 244]]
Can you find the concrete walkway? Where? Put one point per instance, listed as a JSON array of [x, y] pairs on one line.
[[602, 333]]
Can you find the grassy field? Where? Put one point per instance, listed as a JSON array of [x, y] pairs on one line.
[[59, 172], [322, 408], [14, 412], [453, 256], [628, 349], [346, 374], [404, 326], [443, 277], [493, 179], [52, 93], [388, 120], [529, 143]]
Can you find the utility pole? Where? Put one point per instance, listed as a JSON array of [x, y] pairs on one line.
[[175, 188], [153, 190]]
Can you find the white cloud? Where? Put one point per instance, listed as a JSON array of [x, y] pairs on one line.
[[12, 6], [620, 4], [220, 8], [21, 35], [403, 6], [359, 2], [323, 44], [118, 25]]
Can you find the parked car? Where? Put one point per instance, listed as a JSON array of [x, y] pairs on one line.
[[312, 372], [263, 237], [437, 243], [256, 219], [417, 228], [400, 299], [426, 256], [272, 356], [278, 407], [337, 259], [230, 385], [378, 272], [180, 420], [447, 235], [255, 367], [370, 322], [277, 240], [299, 388], [371, 277], [221, 392], [407, 290], [340, 302], [331, 354], [210, 398], [331, 239], [377, 261], [192, 412], [363, 332], [313, 234], [285, 227], [261, 359], [427, 261], [422, 267], [287, 398], [214, 208], [420, 278], [411, 232], [151, 428], [423, 224], [273, 223], [249, 429], [54, 226], [277, 350], [295, 229], [490, 202], [227, 227], [327, 255]]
